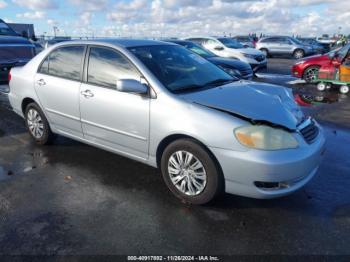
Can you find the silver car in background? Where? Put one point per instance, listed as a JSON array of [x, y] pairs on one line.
[[284, 45], [168, 107]]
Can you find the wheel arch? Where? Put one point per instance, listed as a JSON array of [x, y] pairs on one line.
[[171, 138], [308, 67], [25, 102], [312, 65]]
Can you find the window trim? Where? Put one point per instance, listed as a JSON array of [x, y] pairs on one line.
[[55, 49]]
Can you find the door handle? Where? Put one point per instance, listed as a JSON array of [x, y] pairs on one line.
[[87, 94], [41, 82]]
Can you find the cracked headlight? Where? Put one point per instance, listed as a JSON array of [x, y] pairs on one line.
[[265, 138]]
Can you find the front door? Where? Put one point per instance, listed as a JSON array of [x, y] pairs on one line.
[[116, 120], [57, 84]]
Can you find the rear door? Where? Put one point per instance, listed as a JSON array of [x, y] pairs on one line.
[[273, 45], [286, 46], [57, 84], [116, 120]]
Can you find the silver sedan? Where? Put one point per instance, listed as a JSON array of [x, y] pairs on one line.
[[167, 107]]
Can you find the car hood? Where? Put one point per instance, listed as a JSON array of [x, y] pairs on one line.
[[234, 63], [14, 40], [316, 58], [252, 101]]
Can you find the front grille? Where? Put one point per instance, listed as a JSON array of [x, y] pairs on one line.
[[310, 132]]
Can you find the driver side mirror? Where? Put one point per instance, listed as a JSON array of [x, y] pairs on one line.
[[218, 48], [131, 86]]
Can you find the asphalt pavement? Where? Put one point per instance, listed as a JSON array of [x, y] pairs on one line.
[[73, 199]]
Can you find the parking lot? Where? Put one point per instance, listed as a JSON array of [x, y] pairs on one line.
[[70, 198]]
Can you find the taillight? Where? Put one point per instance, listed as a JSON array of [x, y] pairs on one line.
[[9, 77]]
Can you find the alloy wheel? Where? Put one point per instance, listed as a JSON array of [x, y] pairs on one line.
[[35, 123], [311, 74], [299, 54], [187, 173]]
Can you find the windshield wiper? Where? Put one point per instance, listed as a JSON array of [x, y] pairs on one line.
[[188, 88], [215, 83]]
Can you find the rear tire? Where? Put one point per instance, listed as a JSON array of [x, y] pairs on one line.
[[37, 125], [191, 172]]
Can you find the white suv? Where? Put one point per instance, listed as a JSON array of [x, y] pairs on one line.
[[231, 48]]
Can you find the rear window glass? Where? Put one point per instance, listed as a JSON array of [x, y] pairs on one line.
[[64, 62]]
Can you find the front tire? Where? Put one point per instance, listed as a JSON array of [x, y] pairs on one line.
[[311, 74], [37, 125], [298, 54], [191, 173]]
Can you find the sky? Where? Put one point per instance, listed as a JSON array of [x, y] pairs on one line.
[[179, 18]]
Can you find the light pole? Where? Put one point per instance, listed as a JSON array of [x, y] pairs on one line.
[[55, 30]]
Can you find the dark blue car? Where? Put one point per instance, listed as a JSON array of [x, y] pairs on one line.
[[14, 51], [233, 67]]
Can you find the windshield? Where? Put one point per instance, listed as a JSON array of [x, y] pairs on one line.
[[341, 53], [179, 69], [231, 43], [199, 50], [6, 30], [296, 41]]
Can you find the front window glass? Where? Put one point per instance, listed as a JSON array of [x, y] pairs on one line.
[[343, 52], [106, 66], [180, 70], [231, 43]]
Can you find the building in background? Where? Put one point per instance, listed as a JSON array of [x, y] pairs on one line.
[[25, 30]]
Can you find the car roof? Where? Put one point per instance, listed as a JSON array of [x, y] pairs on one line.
[[204, 37], [121, 42], [274, 36], [177, 41]]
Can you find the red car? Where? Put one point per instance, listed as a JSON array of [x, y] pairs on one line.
[[308, 68]]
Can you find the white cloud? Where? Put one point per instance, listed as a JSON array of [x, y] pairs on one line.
[[85, 18], [52, 22], [155, 18], [3, 4], [90, 5], [32, 15], [36, 4]]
